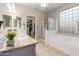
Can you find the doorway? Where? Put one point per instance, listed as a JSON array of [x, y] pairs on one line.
[[31, 26]]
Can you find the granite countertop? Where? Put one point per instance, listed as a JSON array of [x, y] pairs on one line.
[[19, 44]]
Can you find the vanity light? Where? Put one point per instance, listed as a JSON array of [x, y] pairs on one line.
[[11, 7]]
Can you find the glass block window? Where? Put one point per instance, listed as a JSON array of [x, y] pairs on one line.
[[69, 19]]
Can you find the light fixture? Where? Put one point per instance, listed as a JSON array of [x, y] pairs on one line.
[[11, 7], [44, 5]]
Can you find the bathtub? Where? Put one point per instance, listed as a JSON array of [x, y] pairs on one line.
[[65, 43]]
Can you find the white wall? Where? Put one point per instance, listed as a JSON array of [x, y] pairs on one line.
[[24, 11]]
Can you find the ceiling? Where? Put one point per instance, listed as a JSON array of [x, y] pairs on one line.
[[50, 6]]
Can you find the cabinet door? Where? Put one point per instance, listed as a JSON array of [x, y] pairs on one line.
[[25, 51]]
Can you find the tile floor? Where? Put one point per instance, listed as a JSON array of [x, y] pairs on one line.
[[44, 50]]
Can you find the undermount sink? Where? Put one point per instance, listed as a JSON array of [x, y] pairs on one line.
[[20, 37]]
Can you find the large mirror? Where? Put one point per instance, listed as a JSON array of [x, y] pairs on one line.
[[9, 21], [17, 22]]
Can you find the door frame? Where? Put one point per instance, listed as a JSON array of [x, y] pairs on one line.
[[33, 18]]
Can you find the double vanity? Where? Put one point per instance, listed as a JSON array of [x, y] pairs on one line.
[[25, 47]]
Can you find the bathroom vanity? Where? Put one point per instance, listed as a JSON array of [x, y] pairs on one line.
[[22, 48]]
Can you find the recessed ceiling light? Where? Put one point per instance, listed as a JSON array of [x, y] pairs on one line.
[[44, 5]]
